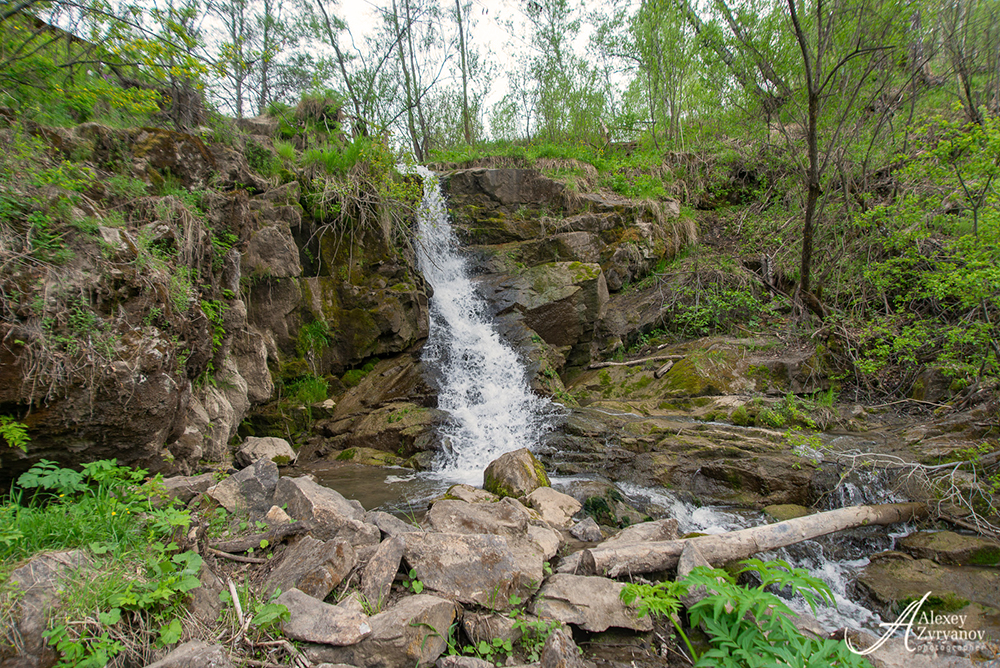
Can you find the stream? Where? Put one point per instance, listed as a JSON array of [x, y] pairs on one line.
[[483, 389]]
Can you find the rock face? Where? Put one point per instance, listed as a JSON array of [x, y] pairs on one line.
[[515, 474], [592, 603], [411, 634], [311, 620]]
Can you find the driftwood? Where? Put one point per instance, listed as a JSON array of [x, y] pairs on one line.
[[276, 534], [236, 557], [662, 371], [658, 358], [652, 557]]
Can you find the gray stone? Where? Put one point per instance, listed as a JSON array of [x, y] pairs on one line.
[[390, 525], [312, 566], [249, 491], [411, 634], [311, 620], [560, 651], [184, 488], [456, 661], [471, 494], [379, 572], [587, 531], [276, 516], [515, 474], [555, 507], [592, 603], [39, 581], [479, 626], [665, 529], [205, 604], [326, 512], [471, 568], [275, 449], [195, 654]]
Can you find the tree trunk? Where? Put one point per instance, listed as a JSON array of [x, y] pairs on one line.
[[466, 124], [652, 557], [407, 83]]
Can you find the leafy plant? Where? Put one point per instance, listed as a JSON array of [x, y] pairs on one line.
[[412, 583], [14, 432], [747, 626]]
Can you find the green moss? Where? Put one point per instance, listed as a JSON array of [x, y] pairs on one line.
[[989, 556], [353, 377], [584, 272], [741, 417], [945, 603]]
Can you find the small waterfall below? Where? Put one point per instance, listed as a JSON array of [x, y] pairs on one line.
[[482, 380]]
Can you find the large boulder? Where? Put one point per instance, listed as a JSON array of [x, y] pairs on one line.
[[313, 567], [555, 507], [478, 569], [411, 634], [249, 491], [515, 474], [275, 449], [325, 511], [311, 620], [591, 603]]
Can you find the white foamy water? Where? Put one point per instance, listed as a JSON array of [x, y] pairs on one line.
[[482, 380]]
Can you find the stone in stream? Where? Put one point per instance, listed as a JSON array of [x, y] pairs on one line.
[[379, 572], [947, 547], [249, 491], [589, 602], [195, 654], [478, 569], [312, 620], [326, 512], [411, 634], [515, 474], [274, 449], [313, 566], [555, 507]]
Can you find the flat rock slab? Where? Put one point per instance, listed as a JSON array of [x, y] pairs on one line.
[[277, 450], [183, 488], [949, 548], [591, 603], [411, 634], [555, 507], [195, 654], [380, 571], [665, 529], [326, 512], [313, 566], [312, 620], [472, 568], [249, 491]]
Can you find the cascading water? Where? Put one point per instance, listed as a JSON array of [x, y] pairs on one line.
[[482, 384]]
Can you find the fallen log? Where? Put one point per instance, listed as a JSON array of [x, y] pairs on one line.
[[276, 534], [658, 358], [662, 371], [613, 560]]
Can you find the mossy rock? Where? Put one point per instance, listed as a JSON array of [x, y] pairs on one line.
[[515, 474], [370, 457], [786, 511], [947, 547]]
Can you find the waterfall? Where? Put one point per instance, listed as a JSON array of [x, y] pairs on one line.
[[482, 380]]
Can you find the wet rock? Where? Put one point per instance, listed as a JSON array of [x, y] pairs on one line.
[[312, 566], [184, 488], [326, 512], [591, 603], [379, 572], [411, 634], [555, 507], [276, 450], [560, 651], [311, 620], [587, 530], [893, 578], [39, 580], [471, 568], [195, 654], [248, 491], [389, 525], [946, 547], [786, 511], [515, 474], [665, 529]]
